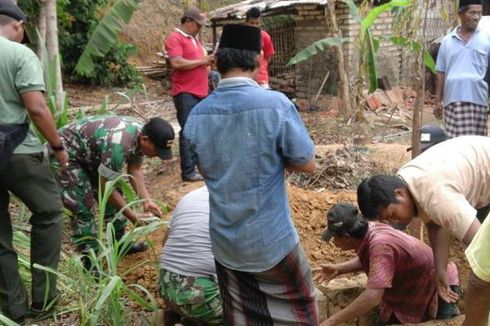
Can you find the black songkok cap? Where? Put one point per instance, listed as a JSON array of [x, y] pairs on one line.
[[241, 37], [464, 3]]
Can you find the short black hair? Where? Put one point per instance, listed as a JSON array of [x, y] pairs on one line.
[[377, 191], [253, 13], [228, 59], [5, 20], [357, 230]]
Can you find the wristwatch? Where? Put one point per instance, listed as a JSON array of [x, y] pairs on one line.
[[58, 148]]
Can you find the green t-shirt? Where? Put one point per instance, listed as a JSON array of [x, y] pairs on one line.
[[20, 72]]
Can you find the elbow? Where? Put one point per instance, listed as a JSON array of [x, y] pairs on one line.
[[38, 110], [374, 297], [309, 167]]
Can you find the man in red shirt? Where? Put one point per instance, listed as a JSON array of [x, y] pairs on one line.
[[189, 63], [253, 17], [400, 269]]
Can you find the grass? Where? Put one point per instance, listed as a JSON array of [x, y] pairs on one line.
[[101, 297]]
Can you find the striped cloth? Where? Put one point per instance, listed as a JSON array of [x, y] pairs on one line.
[[283, 295], [464, 118]]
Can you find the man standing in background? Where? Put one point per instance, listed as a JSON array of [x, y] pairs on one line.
[[190, 85], [462, 64], [253, 17], [25, 173]]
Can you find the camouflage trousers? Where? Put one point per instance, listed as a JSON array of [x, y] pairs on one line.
[[79, 193], [196, 298]]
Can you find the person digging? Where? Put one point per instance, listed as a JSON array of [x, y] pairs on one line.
[[400, 270], [99, 148], [446, 187]]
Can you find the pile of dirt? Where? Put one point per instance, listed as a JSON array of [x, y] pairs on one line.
[[309, 209]]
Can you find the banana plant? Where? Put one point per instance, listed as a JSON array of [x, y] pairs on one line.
[[105, 34], [367, 44]]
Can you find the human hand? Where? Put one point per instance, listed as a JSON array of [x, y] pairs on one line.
[[325, 273], [150, 206], [443, 288], [62, 158], [209, 59], [438, 110]]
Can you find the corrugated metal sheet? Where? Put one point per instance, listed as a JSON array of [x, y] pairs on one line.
[[238, 10]]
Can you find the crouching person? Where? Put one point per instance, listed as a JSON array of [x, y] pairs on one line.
[[99, 148], [400, 270], [188, 281]]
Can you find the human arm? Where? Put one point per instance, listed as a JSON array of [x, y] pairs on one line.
[[43, 120], [180, 63], [477, 302], [438, 108], [308, 167], [138, 183], [364, 303], [295, 145], [327, 272], [439, 240], [267, 46]]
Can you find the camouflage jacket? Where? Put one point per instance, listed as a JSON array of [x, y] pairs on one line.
[[103, 144]]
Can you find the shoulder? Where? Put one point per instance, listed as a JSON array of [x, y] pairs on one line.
[[18, 51], [174, 37]]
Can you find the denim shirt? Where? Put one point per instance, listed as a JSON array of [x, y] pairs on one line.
[[242, 136]]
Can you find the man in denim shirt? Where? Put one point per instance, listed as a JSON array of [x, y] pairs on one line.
[[243, 138]]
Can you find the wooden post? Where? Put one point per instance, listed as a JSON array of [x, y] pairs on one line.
[[416, 227], [346, 107]]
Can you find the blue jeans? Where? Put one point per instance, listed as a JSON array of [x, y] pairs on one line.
[[184, 102]]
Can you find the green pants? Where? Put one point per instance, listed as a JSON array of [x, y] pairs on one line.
[[29, 178], [79, 192], [196, 298]]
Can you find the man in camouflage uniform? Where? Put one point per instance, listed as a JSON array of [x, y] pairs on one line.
[[99, 147]]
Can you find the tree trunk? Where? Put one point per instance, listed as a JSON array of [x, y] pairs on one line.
[[41, 27], [346, 107], [53, 47]]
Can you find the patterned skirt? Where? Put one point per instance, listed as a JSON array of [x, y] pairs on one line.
[[464, 118], [283, 295]]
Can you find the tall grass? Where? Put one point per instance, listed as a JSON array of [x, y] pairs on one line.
[[100, 296]]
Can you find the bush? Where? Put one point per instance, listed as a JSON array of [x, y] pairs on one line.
[[76, 20]]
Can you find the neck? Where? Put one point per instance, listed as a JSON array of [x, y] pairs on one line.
[[186, 30], [240, 73], [5, 34], [465, 30]]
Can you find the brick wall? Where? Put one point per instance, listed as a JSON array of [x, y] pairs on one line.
[[311, 27], [388, 55]]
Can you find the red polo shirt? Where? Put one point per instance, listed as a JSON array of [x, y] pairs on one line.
[[267, 52], [193, 81]]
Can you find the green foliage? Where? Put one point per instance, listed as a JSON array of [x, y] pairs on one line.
[[317, 47], [416, 47], [105, 35], [77, 21], [100, 297]]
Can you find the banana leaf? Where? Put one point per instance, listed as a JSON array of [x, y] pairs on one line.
[[105, 34]]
